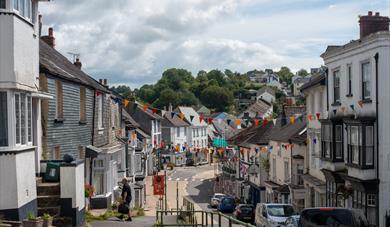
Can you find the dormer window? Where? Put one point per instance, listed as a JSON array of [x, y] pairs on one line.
[[2, 4]]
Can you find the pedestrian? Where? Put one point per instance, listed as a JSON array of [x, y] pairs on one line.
[[126, 199]]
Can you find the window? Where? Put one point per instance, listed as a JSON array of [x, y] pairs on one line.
[[339, 141], [3, 119], [17, 117], [2, 4], [361, 145], [100, 111], [23, 7], [349, 71], [366, 81], [178, 131], [16, 5], [326, 140], [60, 101], [336, 86], [197, 132], [23, 118], [371, 200], [83, 117], [29, 119]]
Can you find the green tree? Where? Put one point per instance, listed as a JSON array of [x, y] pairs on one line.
[[176, 78], [302, 73], [167, 96], [123, 90], [217, 98], [187, 98], [285, 74], [147, 93], [217, 75]]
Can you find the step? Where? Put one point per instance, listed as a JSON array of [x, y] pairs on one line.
[[48, 200], [62, 221], [39, 180], [49, 189], [53, 211]]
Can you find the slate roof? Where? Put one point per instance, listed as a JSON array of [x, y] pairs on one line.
[[175, 121], [318, 79], [259, 108], [293, 132], [149, 113], [53, 62], [266, 89], [129, 120], [189, 111], [259, 135]]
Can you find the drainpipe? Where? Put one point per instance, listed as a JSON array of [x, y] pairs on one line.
[[327, 91], [93, 135], [377, 130]]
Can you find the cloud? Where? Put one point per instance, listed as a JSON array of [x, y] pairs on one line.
[[132, 42]]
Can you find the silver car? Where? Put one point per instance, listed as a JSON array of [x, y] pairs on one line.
[[216, 199]]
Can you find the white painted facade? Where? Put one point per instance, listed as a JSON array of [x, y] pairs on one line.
[[156, 133], [197, 134], [266, 96], [354, 55], [20, 152]]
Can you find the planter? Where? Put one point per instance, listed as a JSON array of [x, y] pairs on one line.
[[33, 223], [48, 222]]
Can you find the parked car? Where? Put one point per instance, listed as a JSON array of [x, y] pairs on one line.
[[272, 214], [227, 204], [329, 216], [244, 212], [216, 199], [292, 221]]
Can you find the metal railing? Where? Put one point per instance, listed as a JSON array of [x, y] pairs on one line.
[[188, 216]]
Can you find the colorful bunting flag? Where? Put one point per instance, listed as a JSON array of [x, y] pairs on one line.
[[154, 110], [274, 121], [200, 119], [257, 122], [191, 118], [145, 107], [334, 111], [182, 116], [310, 117], [228, 121], [360, 103], [265, 122], [172, 114], [315, 141], [238, 122], [98, 93], [343, 109], [210, 120], [318, 115], [125, 102], [352, 107], [292, 119]]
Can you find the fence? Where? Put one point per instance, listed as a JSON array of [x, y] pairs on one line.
[[188, 216]]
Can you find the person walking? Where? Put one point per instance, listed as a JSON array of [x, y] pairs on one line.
[[126, 199]]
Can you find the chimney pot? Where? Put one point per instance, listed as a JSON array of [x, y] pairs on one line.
[[77, 63], [100, 81], [49, 39], [50, 32], [105, 82], [377, 14], [369, 13]]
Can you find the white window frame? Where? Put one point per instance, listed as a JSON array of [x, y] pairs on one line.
[[371, 145], [27, 8], [336, 73], [100, 112], [26, 131], [7, 132], [371, 200], [369, 80]]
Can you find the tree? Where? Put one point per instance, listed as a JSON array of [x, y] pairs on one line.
[[167, 96], [302, 73], [176, 78], [187, 98], [217, 98], [217, 75], [147, 93], [123, 90], [285, 74]]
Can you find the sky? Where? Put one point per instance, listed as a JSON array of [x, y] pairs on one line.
[[132, 42]]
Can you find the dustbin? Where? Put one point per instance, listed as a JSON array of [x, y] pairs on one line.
[[52, 172]]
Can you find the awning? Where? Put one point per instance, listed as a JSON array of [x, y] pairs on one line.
[[92, 151]]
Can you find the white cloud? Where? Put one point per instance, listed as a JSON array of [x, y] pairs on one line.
[[133, 42]]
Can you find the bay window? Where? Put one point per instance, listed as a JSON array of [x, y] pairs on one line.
[[332, 141], [23, 7], [23, 119], [360, 145], [326, 140], [3, 119]]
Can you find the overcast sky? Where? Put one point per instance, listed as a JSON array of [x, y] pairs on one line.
[[133, 41]]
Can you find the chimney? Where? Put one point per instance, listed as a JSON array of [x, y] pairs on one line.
[[49, 39], [105, 82], [100, 81], [77, 63], [373, 23], [170, 107]]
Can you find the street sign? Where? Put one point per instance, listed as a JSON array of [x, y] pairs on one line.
[[158, 185]]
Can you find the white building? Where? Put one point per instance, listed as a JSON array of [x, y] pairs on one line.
[[197, 135], [314, 179], [266, 93], [20, 147], [355, 135]]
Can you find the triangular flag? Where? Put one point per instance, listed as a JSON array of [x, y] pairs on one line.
[[98, 93], [343, 109], [219, 120], [257, 122], [145, 107], [274, 121], [172, 114], [352, 107], [265, 122], [228, 121], [315, 141], [238, 122], [200, 119], [318, 115], [125, 102], [247, 121], [360, 103], [334, 111], [292, 119], [182, 116], [191, 118], [310, 117], [210, 120], [154, 110]]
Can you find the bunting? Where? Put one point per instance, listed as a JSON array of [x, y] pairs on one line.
[[292, 119], [201, 118], [318, 115], [125, 102], [98, 93], [191, 118], [182, 116], [210, 120], [265, 122], [145, 108], [274, 121], [352, 107], [360, 103], [154, 110], [310, 117], [334, 111], [257, 122], [172, 114], [228, 121], [343, 109], [238, 122]]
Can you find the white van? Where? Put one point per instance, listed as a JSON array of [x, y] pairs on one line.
[[272, 214]]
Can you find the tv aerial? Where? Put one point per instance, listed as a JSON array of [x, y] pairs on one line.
[[74, 56]]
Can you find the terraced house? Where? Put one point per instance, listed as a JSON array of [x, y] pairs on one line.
[[355, 135]]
